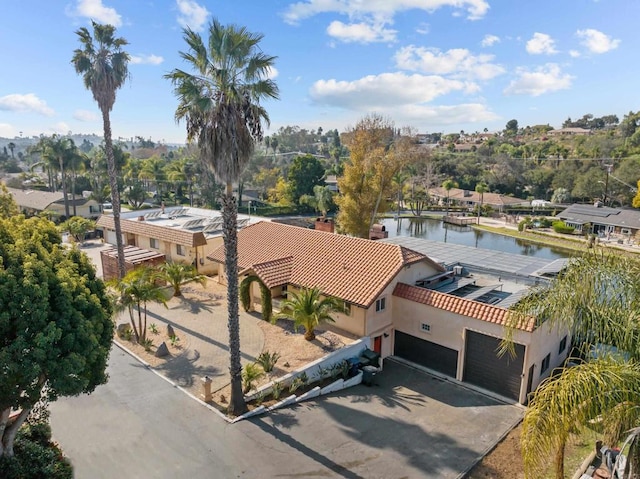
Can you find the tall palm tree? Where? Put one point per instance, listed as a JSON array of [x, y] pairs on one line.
[[597, 298], [220, 102], [104, 68], [58, 152], [448, 185], [481, 189], [308, 309]]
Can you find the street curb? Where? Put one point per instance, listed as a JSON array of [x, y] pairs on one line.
[[179, 388]]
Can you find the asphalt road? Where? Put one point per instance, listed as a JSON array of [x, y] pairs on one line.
[[140, 426]]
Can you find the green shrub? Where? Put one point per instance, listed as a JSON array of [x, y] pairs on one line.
[[268, 360], [34, 459], [276, 390], [147, 344], [250, 374], [295, 384], [561, 227], [40, 433], [154, 328]]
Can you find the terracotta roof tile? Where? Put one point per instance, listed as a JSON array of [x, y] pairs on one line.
[[353, 269], [462, 306], [276, 272], [163, 233]]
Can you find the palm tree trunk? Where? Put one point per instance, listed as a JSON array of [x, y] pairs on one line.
[[115, 194], [558, 460], [63, 176], [237, 405]]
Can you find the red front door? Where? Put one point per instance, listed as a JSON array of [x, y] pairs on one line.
[[377, 344]]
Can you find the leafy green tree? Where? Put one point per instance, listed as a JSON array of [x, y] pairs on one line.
[[321, 200], [560, 196], [308, 309], [180, 274], [597, 298], [135, 194], [55, 322], [305, 173], [139, 287], [368, 176], [8, 206], [78, 227], [104, 68], [220, 102], [511, 128]]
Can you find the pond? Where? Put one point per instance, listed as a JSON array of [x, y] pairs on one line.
[[436, 230]]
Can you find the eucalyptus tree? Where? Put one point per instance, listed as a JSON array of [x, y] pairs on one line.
[[220, 102], [103, 65], [597, 298]]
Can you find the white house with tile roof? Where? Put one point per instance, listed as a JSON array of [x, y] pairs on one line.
[[390, 291]]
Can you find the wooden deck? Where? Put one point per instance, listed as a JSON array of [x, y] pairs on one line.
[[460, 220]]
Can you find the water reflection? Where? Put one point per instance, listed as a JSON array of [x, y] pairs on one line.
[[436, 230]]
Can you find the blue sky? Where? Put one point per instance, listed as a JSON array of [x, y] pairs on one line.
[[434, 65]]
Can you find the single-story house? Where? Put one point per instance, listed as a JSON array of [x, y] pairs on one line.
[[573, 131], [470, 198], [390, 293], [33, 202], [602, 219], [182, 234]]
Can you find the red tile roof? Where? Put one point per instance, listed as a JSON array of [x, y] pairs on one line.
[[353, 269], [462, 306], [163, 233]]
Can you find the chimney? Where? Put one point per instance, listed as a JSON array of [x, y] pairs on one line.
[[377, 232], [325, 224]]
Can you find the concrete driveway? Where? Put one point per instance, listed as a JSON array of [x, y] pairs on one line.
[[411, 424]]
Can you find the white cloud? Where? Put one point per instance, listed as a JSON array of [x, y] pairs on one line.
[[459, 62], [272, 73], [423, 28], [387, 90], [541, 43], [380, 9], [596, 41], [85, 115], [8, 131], [574, 53], [360, 32], [405, 98], [28, 103], [95, 10], [146, 59], [192, 14], [490, 40], [61, 128], [544, 79]]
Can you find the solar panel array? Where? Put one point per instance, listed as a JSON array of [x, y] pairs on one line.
[[150, 216], [193, 223], [591, 211]]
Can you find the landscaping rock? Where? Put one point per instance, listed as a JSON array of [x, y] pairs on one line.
[[170, 332], [162, 350], [122, 329]]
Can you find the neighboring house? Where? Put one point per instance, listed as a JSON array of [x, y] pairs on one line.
[[389, 293], [468, 198], [602, 219], [33, 202], [182, 234], [569, 132]]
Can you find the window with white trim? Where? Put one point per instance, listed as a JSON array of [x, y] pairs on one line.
[[381, 304], [153, 243], [180, 250]]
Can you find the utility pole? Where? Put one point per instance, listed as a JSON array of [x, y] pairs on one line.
[[606, 184]]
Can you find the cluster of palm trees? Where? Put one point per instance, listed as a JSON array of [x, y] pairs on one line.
[[219, 100]]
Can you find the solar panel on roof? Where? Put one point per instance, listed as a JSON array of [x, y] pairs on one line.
[[591, 211], [243, 222], [193, 223]]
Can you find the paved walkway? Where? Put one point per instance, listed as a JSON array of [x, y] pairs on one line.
[[204, 322]]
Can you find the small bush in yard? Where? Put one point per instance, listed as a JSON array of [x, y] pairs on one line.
[[250, 374], [561, 227], [36, 457], [268, 360], [276, 390]]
